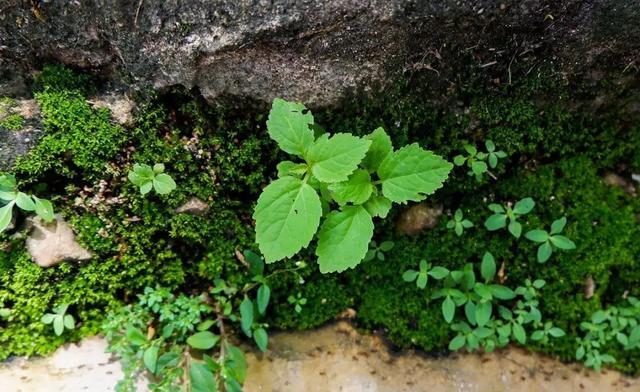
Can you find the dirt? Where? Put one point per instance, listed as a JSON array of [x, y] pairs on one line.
[[333, 358]]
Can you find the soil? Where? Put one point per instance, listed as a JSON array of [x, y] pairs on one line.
[[333, 358]]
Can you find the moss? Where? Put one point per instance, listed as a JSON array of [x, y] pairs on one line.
[[223, 157], [12, 122]]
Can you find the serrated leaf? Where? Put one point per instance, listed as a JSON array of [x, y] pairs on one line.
[[357, 189], [334, 159], [344, 239], [288, 168], [288, 125], [380, 147], [203, 340], [378, 206], [478, 168], [202, 378], [411, 173], [146, 187], [164, 184], [287, 216]]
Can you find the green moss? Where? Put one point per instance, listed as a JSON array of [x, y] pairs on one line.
[[12, 122], [224, 158]]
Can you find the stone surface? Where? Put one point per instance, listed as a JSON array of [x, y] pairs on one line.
[[50, 244], [15, 143], [617, 180], [333, 358], [194, 206], [417, 218], [119, 105], [321, 51]]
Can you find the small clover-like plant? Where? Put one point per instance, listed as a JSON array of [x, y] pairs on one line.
[[548, 330], [550, 240], [458, 223], [377, 251], [297, 301], [10, 196], [147, 178], [337, 185], [59, 319], [479, 162], [422, 275], [508, 213]]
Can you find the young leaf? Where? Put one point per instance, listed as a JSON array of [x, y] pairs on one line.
[[411, 173], [519, 333], [203, 340], [158, 168], [287, 217], [150, 358], [439, 272], [58, 325], [544, 252], [495, 222], [562, 242], [344, 239], [457, 343], [558, 225], [357, 189], [497, 208], [163, 184], [524, 206], [5, 216], [68, 321], [44, 209], [488, 266], [261, 338], [334, 159], [288, 125], [380, 147], [146, 187], [288, 168], [202, 379], [448, 309], [483, 313], [47, 318], [378, 206], [537, 235], [246, 316], [386, 246], [515, 228], [410, 275], [25, 202], [135, 337], [264, 293]]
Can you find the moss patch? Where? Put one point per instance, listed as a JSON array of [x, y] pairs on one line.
[[224, 158]]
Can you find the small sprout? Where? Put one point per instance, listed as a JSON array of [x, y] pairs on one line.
[[458, 224], [10, 196], [479, 162], [297, 301], [501, 214], [146, 178], [376, 251], [421, 276], [551, 240], [59, 319]]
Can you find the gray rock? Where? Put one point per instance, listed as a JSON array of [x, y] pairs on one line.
[[50, 244], [321, 51], [194, 206]]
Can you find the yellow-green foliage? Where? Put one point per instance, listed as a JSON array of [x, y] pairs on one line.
[[224, 158]]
